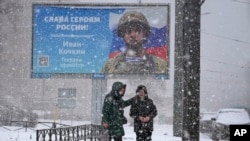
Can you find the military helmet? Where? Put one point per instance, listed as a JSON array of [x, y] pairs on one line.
[[132, 18]]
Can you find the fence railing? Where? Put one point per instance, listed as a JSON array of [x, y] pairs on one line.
[[22, 124], [88, 132], [28, 124]]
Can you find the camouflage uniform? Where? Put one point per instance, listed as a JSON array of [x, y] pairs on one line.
[[147, 64], [113, 111]]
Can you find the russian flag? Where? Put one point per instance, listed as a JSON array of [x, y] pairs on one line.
[[156, 43]]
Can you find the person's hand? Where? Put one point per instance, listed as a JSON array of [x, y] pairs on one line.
[[134, 97], [146, 119], [141, 118], [105, 125]]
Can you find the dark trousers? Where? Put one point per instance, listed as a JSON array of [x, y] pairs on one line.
[[115, 138], [144, 136]]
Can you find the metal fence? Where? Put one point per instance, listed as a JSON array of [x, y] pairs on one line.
[[22, 124], [88, 132]]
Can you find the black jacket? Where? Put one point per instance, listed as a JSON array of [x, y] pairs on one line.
[[143, 108]]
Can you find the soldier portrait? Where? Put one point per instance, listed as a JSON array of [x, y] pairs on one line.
[[134, 30]]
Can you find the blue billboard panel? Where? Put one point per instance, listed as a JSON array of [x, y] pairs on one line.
[[80, 39], [70, 40]]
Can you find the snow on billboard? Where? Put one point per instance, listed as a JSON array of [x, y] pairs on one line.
[[80, 39]]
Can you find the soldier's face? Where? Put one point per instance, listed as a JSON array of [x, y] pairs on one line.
[[134, 36]]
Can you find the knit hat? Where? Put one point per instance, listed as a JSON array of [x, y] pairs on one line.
[[142, 87]]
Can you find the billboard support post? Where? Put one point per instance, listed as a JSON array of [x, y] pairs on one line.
[[187, 70], [99, 88], [178, 70]]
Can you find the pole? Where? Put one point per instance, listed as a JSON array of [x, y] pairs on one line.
[[187, 70], [178, 71], [99, 87], [55, 114], [191, 93]]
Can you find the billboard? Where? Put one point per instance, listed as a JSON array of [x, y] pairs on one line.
[[84, 40]]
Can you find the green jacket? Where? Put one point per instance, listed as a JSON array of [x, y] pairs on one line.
[[112, 112]]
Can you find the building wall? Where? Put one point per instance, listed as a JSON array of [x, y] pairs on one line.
[[17, 88]]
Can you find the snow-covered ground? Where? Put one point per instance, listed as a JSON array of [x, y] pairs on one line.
[[161, 133]]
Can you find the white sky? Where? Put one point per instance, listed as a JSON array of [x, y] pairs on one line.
[[225, 49]]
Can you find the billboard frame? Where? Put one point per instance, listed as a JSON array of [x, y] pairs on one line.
[[103, 75]]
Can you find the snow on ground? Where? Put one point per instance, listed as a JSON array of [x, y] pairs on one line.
[[161, 133]]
